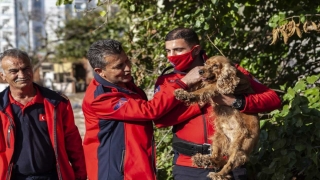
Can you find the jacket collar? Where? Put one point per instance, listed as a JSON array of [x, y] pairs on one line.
[[51, 96], [106, 83]]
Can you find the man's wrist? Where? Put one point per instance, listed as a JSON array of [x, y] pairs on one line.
[[181, 83]]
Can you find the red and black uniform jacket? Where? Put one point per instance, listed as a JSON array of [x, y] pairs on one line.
[[64, 136], [118, 142], [192, 124]]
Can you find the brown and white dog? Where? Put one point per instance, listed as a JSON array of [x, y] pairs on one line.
[[236, 133]]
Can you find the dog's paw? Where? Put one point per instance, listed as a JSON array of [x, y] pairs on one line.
[[216, 176], [184, 95], [181, 94], [241, 158], [201, 160]]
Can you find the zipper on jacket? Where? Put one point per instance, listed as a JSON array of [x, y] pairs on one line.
[[55, 142], [153, 156], [10, 129], [9, 136], [9, 171], [122, 161]]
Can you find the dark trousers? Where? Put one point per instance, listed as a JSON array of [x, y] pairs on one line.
[[48, 176], [189, 173]]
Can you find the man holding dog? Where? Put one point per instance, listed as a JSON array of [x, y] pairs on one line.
[[118, 142], [191, 124]]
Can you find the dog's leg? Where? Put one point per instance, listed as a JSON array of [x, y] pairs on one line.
[[216, 146], [186, 96], [236, 156], [252, 125], [240, 159], [224, 172], [203, 95], [233, 128], [202, 160]]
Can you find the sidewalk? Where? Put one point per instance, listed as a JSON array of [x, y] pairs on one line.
[[76, 101]]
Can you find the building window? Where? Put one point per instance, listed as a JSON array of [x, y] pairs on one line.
[[5, 9], [7, 33], [37, 4], [5, 22]]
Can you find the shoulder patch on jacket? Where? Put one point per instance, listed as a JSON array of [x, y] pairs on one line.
[[157, 89], [121, 102]]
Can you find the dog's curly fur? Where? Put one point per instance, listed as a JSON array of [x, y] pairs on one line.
[[236, 133]]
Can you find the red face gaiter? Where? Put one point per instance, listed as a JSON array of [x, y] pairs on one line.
[[181, 62]]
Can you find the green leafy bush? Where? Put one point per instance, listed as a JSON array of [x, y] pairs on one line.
[[290, 139]]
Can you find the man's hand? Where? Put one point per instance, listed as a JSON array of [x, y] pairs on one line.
[[222, 99], [192, 77]]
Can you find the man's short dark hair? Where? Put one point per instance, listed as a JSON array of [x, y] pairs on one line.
[[16, 53], [189, 35], [100, 49]]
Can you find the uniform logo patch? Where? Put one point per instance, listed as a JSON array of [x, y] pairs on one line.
[[120, 103], [42, 117], [157, 89]]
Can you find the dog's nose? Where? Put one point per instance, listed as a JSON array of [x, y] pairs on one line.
[[201, 71]]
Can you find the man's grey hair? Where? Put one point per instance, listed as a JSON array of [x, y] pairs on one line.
[[16, 53], [100, 49]]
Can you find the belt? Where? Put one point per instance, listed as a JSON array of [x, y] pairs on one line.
[[189, 148]]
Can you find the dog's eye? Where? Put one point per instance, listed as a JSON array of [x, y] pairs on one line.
[[216, 65]]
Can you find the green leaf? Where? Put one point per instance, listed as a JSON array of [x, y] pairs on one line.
[[273, 24], [284, 160], [283, 152], [285, 110], [318, 9], [312, 79], [279, 144], [275, 18], [315, 158], [312, 91], [300, 86], [300, 147], [102, 13], [283, 87], [290, 94], [273, 21], [99, 3], [262, 123], [299, 122], [233, 23], [302, 18], [206, 26], [132, 7], [198, 23], [59, 2], [214, 1], [282, 15]]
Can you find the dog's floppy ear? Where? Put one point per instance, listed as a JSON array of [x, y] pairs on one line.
[[227, 80]]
